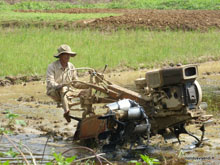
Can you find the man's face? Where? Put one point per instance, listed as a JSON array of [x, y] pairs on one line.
[[64, 57]]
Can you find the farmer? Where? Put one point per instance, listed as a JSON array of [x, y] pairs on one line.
[[59, 74]]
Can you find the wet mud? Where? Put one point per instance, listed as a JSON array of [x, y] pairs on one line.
[[45, 124], [185, 20], [12, 80], [159, 20]]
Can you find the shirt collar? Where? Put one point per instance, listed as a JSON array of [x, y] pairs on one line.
[[61, 67]]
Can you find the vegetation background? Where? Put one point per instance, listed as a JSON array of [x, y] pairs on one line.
[[27, 50]]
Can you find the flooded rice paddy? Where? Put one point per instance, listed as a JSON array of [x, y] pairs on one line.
[[46, 131]]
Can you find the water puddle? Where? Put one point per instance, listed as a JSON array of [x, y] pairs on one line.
[[40, 146]]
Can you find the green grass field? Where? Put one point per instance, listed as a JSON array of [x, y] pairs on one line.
[[29, 51], [138, 4], [49, 17]]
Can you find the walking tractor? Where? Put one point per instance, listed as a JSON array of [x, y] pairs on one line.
[[167, 99]]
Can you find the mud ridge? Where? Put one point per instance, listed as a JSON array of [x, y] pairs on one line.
[[186, 20], [12, 80]]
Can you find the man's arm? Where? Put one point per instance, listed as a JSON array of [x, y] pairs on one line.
[[50, 77], [75, 77]]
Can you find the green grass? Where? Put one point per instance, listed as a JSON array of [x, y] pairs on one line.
[[213, 102], [48, 17], [29, 51], [211, 96], [138, 4], [166, 4]]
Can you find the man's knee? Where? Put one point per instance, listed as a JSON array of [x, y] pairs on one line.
[[63, 90], [54, 94]]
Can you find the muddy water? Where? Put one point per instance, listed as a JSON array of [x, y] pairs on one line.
[[45, 120]]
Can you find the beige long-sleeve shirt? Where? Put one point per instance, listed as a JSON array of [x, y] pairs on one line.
[[57, 75]]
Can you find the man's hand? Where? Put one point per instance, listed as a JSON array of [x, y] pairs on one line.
[[66, 115], [79, 85], [84, 93], [60, 86]]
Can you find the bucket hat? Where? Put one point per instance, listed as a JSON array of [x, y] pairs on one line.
[[64, 49]]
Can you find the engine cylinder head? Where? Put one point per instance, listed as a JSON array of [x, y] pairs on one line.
[[134, 113]]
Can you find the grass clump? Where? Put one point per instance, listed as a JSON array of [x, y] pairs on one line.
[[61, 160], [29, 51], [4, 6]]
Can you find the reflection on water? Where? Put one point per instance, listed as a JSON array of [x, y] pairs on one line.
[[35, 144]]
